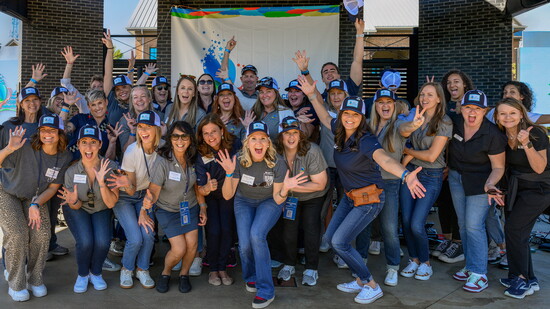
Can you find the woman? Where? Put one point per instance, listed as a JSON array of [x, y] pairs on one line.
[[300, 105], [303, 207], [357, 157], [270, 107], [28, 113], [24, 215], [257, 180], [87, 208], [173, 188], [162, 96], [137, 167], [207, 92], [228, 107], [213, 137], [528, 192], [428, 143], [186, 106], [476, 164], [55, 103], [140, 101]]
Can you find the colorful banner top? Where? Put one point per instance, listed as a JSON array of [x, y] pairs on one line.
[[288, 11]]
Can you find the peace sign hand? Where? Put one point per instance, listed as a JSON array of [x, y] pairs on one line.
[[131, 122], [419, 118], [106, 39], [114, 133], [228, 164]]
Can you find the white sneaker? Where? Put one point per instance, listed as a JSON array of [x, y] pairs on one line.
[[368, 294], [410, 270], [401, 252], [177, 267], [6, 275], [424, 272], [196, 267], [38, 290], [98, 282], [374, 247], [325, 246], [145, 279], [350, 287], [310, 277], [126, 281], [286, 272], [391, 277], [339, 262], [22, 295], [81, 284]]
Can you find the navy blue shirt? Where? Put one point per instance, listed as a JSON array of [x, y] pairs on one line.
[[161, 111], [114, 110], [357, 169], [353, 89], [80, 120]]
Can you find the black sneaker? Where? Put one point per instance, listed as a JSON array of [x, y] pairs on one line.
[[251, 287], [453, 254], [60, 250], [259, 302], [163, 284], [185, 285]]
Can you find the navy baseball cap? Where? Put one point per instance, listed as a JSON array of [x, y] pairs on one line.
[[89, 131], [58, 90], [149, 117], [475, 97], [391, 79], [353, 103], [384, 93], [338, 84], [52, 121], [27, 92], [289, 123], [268, 82], [257, 126], [122, 80], [293, 85], [160, 80], [226, 86], [249, 68]]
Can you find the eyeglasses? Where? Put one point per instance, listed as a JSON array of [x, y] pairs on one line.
[[91, 197], [193, 77], [58, 99], [160, 88], [207, 82], [290, 124], [183, 137]]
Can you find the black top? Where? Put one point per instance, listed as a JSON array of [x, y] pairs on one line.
[[517, 159], [471, 158]]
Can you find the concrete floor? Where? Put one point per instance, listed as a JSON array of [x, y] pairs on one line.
[[441, 291]]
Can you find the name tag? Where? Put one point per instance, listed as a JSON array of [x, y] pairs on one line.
[[207, 160], [52, 172], [247, 179], [185, 215], [289, 210], [174, 176], [80, 178], [458, 137]]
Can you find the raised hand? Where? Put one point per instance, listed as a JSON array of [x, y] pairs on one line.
[[306, 118], [303, 111], [301, 60], [151, 68], [231, 43], [146, 222], [131, 60], [118, 180], [249, 117], [114, 133], [293, 182], [106, 39], [359, 26], [148, 200], [307, 88], [523, 136], [228, 164], [38, 72], [70, 57], [16, 139], [222, 74], [414, 185], [131, 122], [70, 98], [68, 197], [102, 172], [419, 118]]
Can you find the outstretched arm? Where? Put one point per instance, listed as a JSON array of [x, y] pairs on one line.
[[315, 100], [108, 76], [228, 49], [356, 70]]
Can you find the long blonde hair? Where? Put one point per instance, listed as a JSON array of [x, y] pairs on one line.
[[245, 159], [191, 116], [259, 108], [131, 108], [374, 121]]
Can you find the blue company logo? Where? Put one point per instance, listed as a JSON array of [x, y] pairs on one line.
[[144, 117], [89, 131], [258, 126], [385, 92], [50, 120], [353, 103], [474, 97]]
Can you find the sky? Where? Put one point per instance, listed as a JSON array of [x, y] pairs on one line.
[[536, 19], [117, 13]]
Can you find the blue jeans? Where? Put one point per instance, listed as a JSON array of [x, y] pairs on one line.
[[389, 216], [139, 243], [494, 225], [92, 235], [415, 211], [255, 218], [346, 223], [471, 212]]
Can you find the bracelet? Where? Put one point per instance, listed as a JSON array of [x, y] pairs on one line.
[[65, 105], [283, 196], [34, 204], [362, 35], [228, 51], [132, 70], [226, 79], [65, 110], [404, 175], [203, 205], [34, 81], [147, 73], [229, 175], [306, 72], [132, 134]]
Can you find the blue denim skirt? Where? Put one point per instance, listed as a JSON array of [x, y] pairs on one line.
[[170, 222]]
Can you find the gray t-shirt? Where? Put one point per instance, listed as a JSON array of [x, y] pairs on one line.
[[421, 141], [174, 180], [327, 143], [26, 168], [76, 175], [200, 114], [273, 119], [236, 128], [312, 163], [246, 100], [256, 181], [398, 143]]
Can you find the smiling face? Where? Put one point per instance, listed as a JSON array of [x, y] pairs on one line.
[[123, 92], [295, 97], [212, 135], [89, 148], [147, 133], [186, 91], [226, 100], [291, 139], [511, 91], [385, 107], [473, 115], [258, 144], [140, 100], [180, 141], [428, 98], [49, 136], [508, 116], [31, 104], [98, 108], [456, 87], [56, 103], [249, 80], [329, 73], [337, 96], [351, 120], [206, 85], [267, 96], [97, 85], [160, 92]]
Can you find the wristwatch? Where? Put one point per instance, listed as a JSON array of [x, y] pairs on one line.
[[529, 145]]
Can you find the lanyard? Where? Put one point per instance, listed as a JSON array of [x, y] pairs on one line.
[[146, 164], [40, 169], [187, 179]]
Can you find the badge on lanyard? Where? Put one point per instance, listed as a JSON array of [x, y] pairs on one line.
[[51, 173], [185, 215], [289, 210]]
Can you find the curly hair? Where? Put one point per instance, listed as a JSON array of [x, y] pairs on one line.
[[227, 138], [36, 143], [525, 91], [245, 158], [468, 83], [303, 145], [166, 150]]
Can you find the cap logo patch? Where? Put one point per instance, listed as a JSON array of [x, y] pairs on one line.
[[385, 92], [293, 83], [63, 89], [30, 90], [162, 80], [258, 126], [118, 80], [226, 86], [474, 97], [89, 131], [353, 103], [48, 120], [145, 117], [335, 83]]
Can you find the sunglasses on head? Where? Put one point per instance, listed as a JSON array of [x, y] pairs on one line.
[[290, 124], [184, 137], [207, 82], [193, 77], [91, 197], [160, 88]]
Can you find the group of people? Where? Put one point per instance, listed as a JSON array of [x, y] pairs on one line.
[[254, 168]]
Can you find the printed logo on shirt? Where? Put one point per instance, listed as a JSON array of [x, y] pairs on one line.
[[48, 120], [474, 97]]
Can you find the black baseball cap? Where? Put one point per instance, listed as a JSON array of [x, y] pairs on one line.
[[384, 93], [289, 123], [293, 85], [268, 82], [27, 92], [149, 117], [122, 80], [353, 103], [90, 131], [257, 126], [160, 80], [475, 97], [51, 121], [249, 68], [226, 86], [58, 90]]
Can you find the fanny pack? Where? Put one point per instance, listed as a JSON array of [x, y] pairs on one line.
[[366, 195]]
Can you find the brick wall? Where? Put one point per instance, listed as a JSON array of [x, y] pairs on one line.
[[347, 29], [54, 24], [472, 35]]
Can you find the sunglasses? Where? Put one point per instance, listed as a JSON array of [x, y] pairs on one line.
[[160, 88], [290, 124], [91, 197], [206, 82], [183, 137]]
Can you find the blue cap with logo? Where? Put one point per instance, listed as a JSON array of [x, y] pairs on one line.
[[257, 126], [58, 90], [391, 79], [90, 131], [338, 84], [268, 82], [160, 80], [27, 92], [249, 68], [475, 97], [149, 117], [289, 123], [293, 85], [353, 103], [122, 80], [384, 93], [52, 121], [226, 86]]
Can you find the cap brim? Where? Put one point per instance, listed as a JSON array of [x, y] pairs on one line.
[[478, 105]]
